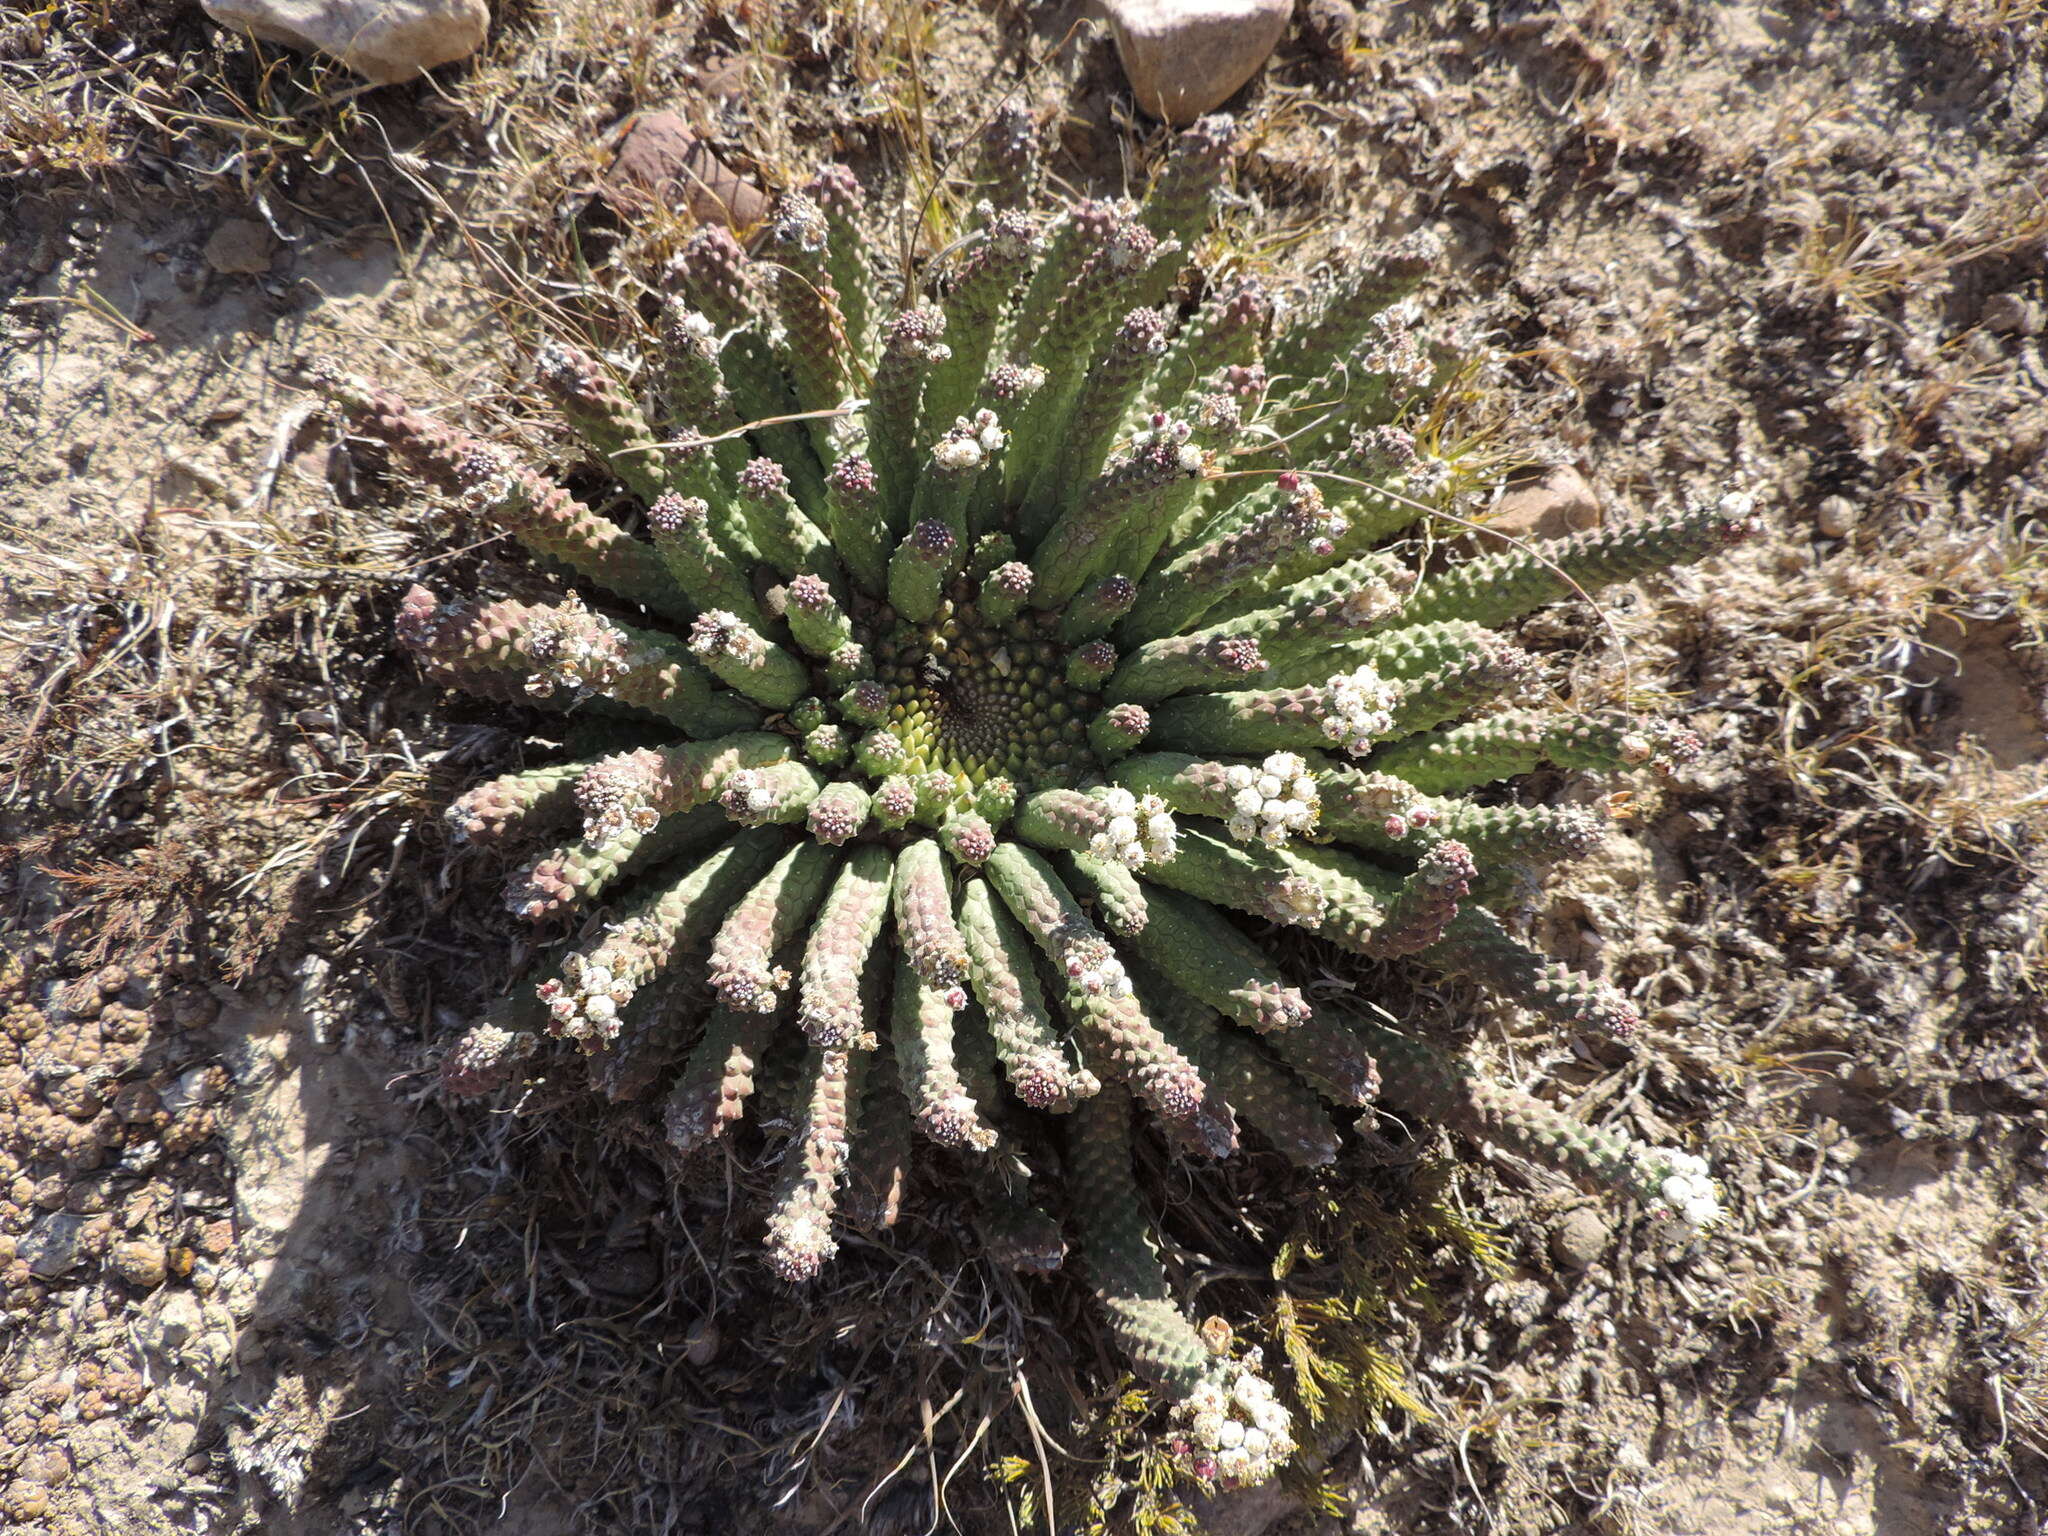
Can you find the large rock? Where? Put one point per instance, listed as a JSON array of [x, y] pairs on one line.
[[1187, 57], [381, 40]]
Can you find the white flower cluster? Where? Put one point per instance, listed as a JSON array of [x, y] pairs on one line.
[[573, 650], [969, 443], [1089, 962], [614, 797], [719, 632], [1304, 520], [1272, 802], [555, 362], [1218, 418], [750, 988], [1236, 1425], [694, 326], [1170, 433], [1687, 1189], [1139, 831], [585, 1003], [1395, 351], [1125, 253], [1296, 900], [1011, 233], [748, 796], [800, 1242], [485, 478], [1358, 709], [1015, 381]]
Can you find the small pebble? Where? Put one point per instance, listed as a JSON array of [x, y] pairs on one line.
[[2011, 314], [1835, 516], [1563, 502], [1579, 1238], [240, 247], [139, 1263]]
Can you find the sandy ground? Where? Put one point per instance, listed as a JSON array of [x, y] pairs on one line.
[[257, 1276]]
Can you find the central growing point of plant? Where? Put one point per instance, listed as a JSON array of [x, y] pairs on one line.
[[976, 678]]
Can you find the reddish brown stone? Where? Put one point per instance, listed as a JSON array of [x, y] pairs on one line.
[[660, 158], [1560, 503]]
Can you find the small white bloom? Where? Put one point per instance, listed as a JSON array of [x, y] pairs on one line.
[[1358, 709], [1272, 802]]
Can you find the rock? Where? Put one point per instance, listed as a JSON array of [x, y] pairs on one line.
[[381, 40], [1246, 1511], [54, 1244], [700, 1344], [196, 1085], [2012, 314], [1187, 57], [241, 248], [1579, 1239], [660, 158], [1835, 516], [139, 1263], [1561, 503], [169, 1323]]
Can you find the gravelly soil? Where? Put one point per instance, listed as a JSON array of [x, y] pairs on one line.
[[257, 1277]]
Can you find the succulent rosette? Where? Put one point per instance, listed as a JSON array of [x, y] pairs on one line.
[[989, 668]]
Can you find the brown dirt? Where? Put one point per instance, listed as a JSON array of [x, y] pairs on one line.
[[257, 1277]]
